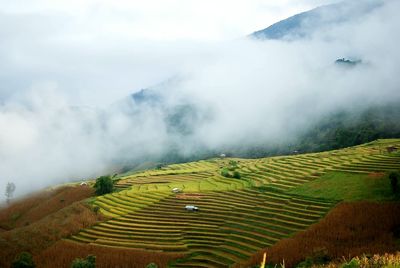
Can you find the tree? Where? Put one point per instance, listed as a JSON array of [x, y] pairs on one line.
[[23, 260], [160, 166], [236, 175], [233, 163], [89, 262], [394, 181], [104, 185], [10, 188], [225, 172]]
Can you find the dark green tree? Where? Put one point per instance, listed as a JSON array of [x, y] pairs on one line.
[[89, 262], [394, 181], [236, 175], [23, 260], [233, 163], [104, 185], [225, 172], [10, 188]]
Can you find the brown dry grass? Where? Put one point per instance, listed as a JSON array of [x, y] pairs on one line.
[[39, 205], [349, 230], [49, 220], [63, 253], [384, 260], [45, 218]]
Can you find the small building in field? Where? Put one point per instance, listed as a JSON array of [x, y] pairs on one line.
[[176, 190], [83, 184], [222, 155], [191, 208]]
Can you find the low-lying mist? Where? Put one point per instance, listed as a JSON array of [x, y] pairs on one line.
[[234, 94]]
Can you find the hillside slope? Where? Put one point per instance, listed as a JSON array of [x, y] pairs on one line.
[[236, 217], [306, 23]]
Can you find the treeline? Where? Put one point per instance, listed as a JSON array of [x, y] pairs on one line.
[[344, 129], [335, 131]]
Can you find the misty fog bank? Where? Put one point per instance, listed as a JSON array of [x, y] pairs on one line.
[[238, 94]]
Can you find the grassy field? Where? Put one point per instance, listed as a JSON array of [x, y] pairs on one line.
[[274, 199], [348, 187]]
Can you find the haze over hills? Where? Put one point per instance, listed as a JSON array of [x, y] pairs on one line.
[[284, 142], [183, 118], [321, 18], [245, 97]]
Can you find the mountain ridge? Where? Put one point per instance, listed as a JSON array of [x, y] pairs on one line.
[[304, 24]]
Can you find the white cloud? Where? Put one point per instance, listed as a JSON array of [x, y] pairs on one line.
[[247, 92], [119, 46], [163, 20]]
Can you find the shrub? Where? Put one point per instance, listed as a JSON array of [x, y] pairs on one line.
[[96, 209], [319, 256], [231, 168], [394, 181], [104, 185], [228, 173], [225, 172], [352, 264], [89, 262], [152, 265], [236, 175], [233, 163], [160, 166], [24, 260]]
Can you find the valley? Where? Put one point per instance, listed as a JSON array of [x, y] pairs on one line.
[[236, 217]]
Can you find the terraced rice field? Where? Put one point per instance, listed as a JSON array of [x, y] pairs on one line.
[[236, 217]]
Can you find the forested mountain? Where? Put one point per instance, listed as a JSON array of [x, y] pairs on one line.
[[306, 23]]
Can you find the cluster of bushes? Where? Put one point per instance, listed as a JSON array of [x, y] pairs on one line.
[[89, 262], [23, 260], [104, 185], [317, 257], [385, 260], [160, 166], [230, 171], [365, 261]]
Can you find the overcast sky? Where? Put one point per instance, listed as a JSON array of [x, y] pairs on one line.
[[156, 19], [67, 66], [81, 47]]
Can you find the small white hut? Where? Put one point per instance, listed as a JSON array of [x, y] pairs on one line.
[[191, 208], [176, 190]]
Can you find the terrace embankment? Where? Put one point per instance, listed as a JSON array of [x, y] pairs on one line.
[[350, 229]]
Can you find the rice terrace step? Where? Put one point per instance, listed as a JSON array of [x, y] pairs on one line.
[[236, 217]]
